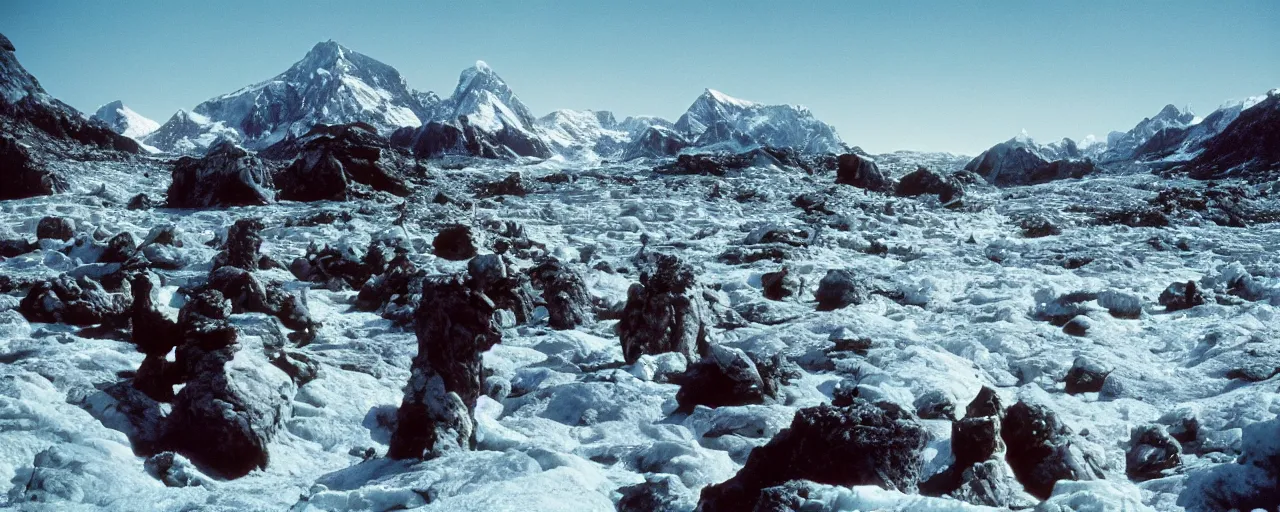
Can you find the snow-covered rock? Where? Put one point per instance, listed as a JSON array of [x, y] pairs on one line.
[[1125, 145]]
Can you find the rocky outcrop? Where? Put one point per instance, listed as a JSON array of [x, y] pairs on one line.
[[779, 285], [665, 312], [564, 291], [861, 172], [225, 176], [925, 181], [1151, 452], [1180, 296], [860, 444], [840, 288], [508, 288], [455, 324], [75, 301], [456, 242], [1041, 450], [1021, 162], [1085, 376], [655, 142], [725, 377], [1248, 148], [56, 228], [22, 175], [338, 163]]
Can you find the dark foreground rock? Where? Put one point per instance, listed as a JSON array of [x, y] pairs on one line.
[[564, 290], [341, 162], [840, 288], [455, 324], [861, 172], [1041, 450], [860, 444], [225, 176], [925, 181], [665, 312], [725, 377]]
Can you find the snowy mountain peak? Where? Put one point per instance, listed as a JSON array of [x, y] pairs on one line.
[[721, 97], [787, 126], [125, 121], [487, 101]]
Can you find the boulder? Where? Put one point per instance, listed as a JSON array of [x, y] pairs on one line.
[[507, 288], [665, 312], [725, 377], [455, 242], [75, 301], [990, 484], [658, 493], [225, 176], [1041, 450], [1085, 376], [154, 333], [1078, 326], [779, 285], [1151, 452], [56, 228], [861, 172], [141, 202], [455, 325], [1179, 296], [925, 181], [119, 248], [1121, 304], [338, 163], [240, 249], [860, 444], [564, 291], [23, 176], [840, 288], [935, 405]]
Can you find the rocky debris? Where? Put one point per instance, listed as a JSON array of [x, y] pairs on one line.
[[977, 475], [154, 333], [233, 401], [702, 164], [989, 483], [840, 288], [56, 228], [337, 269], [119, 248], [1078, 326], [1060, 309], [300, 367], [1179, 296], [779, 285], [812, 202], [335, 162], [175, 470], [1121, 304], [777, 234], [455, 242], [247, 293], [455, 325], [397, 290], [1038, 226], [658, 493], [513, 185], [1251, 483], [925, 181], [16, 247], [75, 301], [508, 289], [141, 202], [564, 290], [665, 312], [1041, 450], [226, 175], [23, 175], [1151, 452], [860, 444], [935, 405], [862, 172], [242, 245], [1086, 376], [725, 377]]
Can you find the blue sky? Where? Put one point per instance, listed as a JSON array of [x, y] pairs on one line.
[[950, 76]]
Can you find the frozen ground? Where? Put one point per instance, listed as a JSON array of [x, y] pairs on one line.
[[576, 428]]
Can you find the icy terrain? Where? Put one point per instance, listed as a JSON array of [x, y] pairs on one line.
[[965, 291]]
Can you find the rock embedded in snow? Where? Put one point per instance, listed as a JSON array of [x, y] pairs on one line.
[[564, 290], [1179, 296], [725, 377], [926, 181], [779, 285], [23, 175], [840, 288], [658, 493], [455, 324], [1041, 450], [1085, 376], [508, 288], [56, 228], [225, 176], [1121, 304], [860, 444], [1151, 451], [337, 162], [1078, 326], [75, 301], [861, 172], [665, 312], [456, 242]]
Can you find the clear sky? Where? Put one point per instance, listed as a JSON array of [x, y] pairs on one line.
[[932, 75]]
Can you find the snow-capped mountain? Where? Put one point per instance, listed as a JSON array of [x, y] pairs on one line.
[[788, 126], [125, 121], [1023, 161], [636, 125], [1124, 145], [1184, 143], [330, 85], [190, 133], [1247, 147], [583, 134]]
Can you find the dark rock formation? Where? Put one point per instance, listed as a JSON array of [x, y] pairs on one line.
[[658, 493], [861, 172], [924, 181], [1179, 296], [935, 405], [564, 290], [725, 377], [860, 444], [1249, 147], [507, 288], [1020, 162], [1151, 451], [75, 301], [57, 228], [119, 248], [455, 242], [779, 285], [332, 162], [513, 185], [1037, 226], [665, 312], [455, 324], [23, 175], [1041, 450], [225, 176], [241, 246], [1085, 376], [840, 288]]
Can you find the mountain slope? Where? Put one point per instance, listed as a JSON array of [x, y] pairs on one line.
[[330, 85], [1249, 147], [1124, 145], [1021, 161], [787, 126], [125, 121], [583, 134]]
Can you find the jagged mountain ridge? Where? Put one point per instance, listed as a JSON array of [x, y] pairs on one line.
[[125, 121], [789, 126]]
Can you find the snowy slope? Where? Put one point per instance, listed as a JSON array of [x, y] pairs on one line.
[[583, 134], [125, 121], [190, 133], [330, 85], [789, 126], [1123, 145]]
